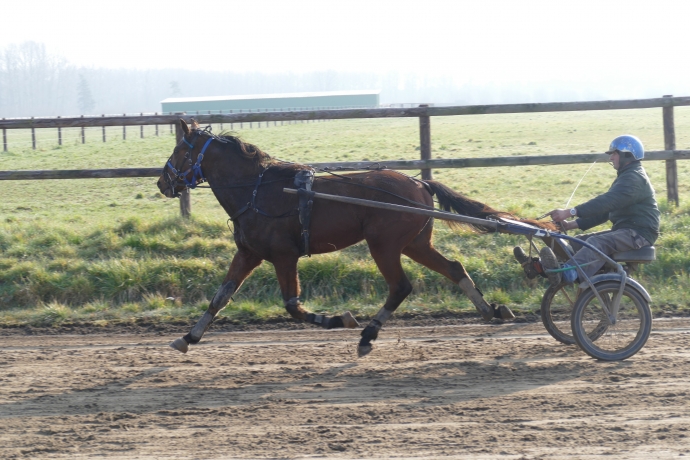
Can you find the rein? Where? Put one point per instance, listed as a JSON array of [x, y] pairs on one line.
[[252, 204]]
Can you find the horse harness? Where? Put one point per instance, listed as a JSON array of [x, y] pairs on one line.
[[180, 177], [303, 181]]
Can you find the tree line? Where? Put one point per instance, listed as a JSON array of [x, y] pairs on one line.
[[35, 83]]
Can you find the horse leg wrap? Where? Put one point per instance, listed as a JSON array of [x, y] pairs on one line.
[[324, 321], [471, 291], [200, 328], [220, 300], [182, 344], [382, 316], [346, 320], [223, 296]]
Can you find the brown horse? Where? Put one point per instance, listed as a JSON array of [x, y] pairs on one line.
[[270, 224]]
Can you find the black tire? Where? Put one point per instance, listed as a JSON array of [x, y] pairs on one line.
[[556, 308], [614, 342]]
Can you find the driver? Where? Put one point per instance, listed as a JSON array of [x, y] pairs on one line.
[[630, 204]]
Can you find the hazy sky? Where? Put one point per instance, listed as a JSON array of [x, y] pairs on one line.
[[517, 40]]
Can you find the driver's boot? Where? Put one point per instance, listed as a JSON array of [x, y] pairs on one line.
[[530, 265]]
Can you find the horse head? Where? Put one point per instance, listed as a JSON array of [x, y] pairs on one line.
[[183, 168]]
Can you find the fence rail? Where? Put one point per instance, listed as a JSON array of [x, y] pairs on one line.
[[577, 158], [332, 114], [423, 113]]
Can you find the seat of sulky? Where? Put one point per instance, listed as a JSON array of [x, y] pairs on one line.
[[642, 255]]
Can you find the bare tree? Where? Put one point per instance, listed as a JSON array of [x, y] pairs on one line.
[[31, 81], [84, 97]]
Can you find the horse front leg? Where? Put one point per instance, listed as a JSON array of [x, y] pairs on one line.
[[286, 272], [242, 265]]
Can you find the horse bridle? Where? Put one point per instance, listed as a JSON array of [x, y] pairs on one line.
[[175, 178]]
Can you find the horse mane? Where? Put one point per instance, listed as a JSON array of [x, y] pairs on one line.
[[248, 151], [260, 159]]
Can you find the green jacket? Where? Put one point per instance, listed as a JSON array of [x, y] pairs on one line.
[[629, 203]]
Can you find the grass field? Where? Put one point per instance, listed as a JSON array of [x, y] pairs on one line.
[[112, 250]]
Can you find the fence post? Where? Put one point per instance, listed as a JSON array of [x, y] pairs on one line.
[[4, 138], [83, 138], [670, 144], [141, 128], [124, 129], [185, 197], [33, 136], [425, 142], [156, 126], [103, 115], [59, 134]]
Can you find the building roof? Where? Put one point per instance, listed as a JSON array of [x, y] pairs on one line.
[[268, 96]]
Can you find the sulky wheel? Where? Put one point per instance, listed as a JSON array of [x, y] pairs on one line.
[[556, 311], [556, 307], [593, 331]]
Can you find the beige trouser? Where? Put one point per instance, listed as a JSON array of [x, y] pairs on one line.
[[609, 242]]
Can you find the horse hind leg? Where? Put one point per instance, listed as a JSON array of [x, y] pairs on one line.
[[286, 272], [488, 311], [422, 251], [297, 311]]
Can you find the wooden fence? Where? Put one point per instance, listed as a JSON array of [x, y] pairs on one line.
[[423, 112]]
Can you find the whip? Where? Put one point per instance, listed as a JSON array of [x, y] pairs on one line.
[[578, 184], [573, 194]]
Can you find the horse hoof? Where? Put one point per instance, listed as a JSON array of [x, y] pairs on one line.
[[505, 313], [180, 345], [489, 316], [349, 321], [363, 350]]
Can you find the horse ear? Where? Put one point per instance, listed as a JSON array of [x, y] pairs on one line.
[[184, 126], [195, 125]]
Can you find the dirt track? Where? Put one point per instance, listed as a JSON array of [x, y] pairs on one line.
[[474, 391]]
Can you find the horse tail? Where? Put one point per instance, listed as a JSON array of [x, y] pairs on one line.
[[452, 201]]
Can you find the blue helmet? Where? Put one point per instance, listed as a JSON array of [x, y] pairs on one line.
[[627, 143]]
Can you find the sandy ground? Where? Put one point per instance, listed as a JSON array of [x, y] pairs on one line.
[[502, 391]]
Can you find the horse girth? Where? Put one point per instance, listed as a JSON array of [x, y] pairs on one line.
[[303, 181]]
